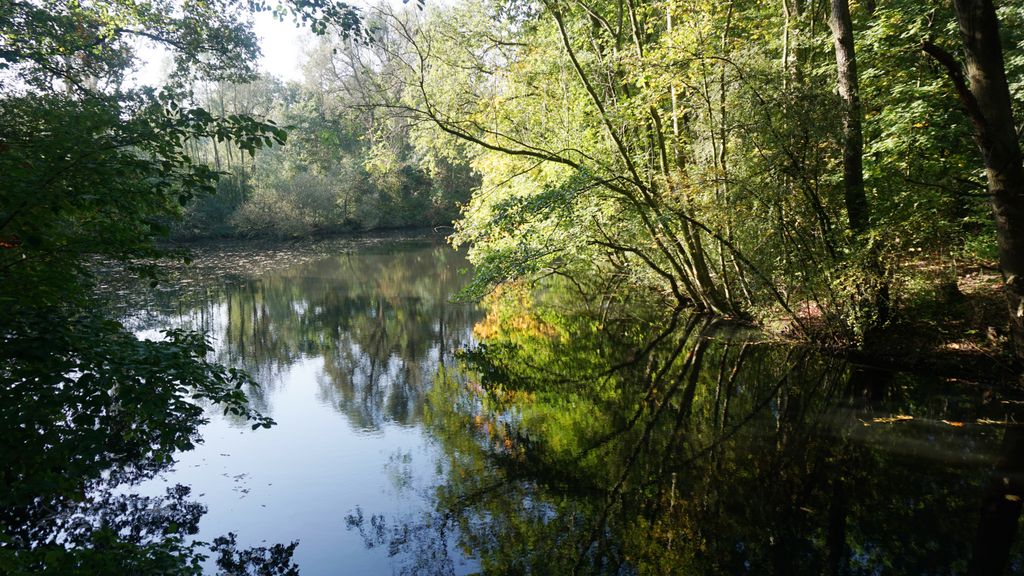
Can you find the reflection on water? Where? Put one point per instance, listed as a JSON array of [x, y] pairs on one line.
[[346, 348], [380, 319], [594, 447], [558, 442]]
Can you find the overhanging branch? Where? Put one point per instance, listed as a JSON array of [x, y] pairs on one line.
[[956, 74]]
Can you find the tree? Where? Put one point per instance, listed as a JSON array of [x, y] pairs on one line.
[[985, 95], [853, 136], [654, 157], [93, 170]]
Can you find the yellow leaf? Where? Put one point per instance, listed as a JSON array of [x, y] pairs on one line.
[[891, 419]]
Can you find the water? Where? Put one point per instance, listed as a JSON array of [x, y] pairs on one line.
[[345, 347], [554, 433]]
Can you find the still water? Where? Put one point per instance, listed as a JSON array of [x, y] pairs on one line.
[[346, 348], [552, 432]]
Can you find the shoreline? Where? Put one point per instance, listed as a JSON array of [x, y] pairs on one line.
[[960, 337]]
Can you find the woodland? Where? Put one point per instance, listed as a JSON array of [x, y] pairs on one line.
[[826, 170]]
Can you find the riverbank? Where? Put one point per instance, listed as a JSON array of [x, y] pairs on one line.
[[271, 241], [954, 330], [950, 322], [957, 329], [249, 255]]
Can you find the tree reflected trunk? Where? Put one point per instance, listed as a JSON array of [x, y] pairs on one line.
[[836, 536], [1000, 512]]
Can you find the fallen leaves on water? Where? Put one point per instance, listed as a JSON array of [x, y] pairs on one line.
[[889, 419], [989, 422]]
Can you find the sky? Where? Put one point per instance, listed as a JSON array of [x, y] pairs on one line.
[[283, 45]]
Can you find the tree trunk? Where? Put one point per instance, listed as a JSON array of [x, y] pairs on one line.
[[853, 140], [988, 104], [791, 50]]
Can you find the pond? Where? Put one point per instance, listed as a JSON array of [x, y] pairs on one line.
[[552, 432]]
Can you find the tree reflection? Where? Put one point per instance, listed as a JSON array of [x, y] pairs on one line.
[[380, 318], [86, 412], [582, 445]]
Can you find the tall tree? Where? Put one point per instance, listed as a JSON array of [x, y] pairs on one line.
[[985, 94], [841, 23]]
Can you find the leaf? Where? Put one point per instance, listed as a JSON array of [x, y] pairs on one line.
[[890, 419]]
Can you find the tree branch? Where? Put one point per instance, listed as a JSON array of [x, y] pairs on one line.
[[956, 74]]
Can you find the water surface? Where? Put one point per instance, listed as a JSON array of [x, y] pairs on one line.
[[553, 432], [345, 348]]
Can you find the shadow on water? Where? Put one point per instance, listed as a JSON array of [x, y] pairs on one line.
[[70, 445], [585, 446]]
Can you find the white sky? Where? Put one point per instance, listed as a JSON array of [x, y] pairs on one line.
[[283, 45]]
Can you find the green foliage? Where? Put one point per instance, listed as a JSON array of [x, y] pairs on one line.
[[704, 166], [524, 235], [91, 170], [346, 167], [924, 178], [211, 215]]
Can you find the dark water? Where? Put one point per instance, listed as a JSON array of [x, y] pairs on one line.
[[559, 434]]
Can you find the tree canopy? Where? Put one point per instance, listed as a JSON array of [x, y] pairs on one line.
[[742, 158], [91, 169]]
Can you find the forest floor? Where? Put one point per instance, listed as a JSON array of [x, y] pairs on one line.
[[959, 330]]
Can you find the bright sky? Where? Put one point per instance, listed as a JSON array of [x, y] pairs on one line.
[[283, 45]]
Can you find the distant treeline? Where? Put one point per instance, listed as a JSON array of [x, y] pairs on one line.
[[342, 169]]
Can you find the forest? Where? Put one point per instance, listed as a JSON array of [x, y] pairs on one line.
[[820, 170], [843, 175], [814, 166]]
